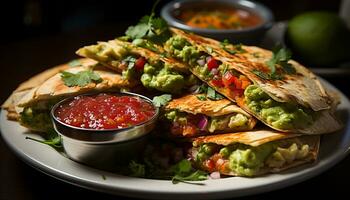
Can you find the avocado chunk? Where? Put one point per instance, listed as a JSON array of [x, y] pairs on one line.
[[282, 115]]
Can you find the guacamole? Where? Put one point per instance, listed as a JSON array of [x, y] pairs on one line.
[[36, 119], [280, 115], [182, 49], [164, 79], [245, 160]]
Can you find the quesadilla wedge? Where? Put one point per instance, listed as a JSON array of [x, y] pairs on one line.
[[191, 115], [35, 81], [153, 68], [35, 105], [253, 153], [279, 92]]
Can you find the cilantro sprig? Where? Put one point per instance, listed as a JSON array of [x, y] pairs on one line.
[[51, 138], [161, 100], [151, 28], [280, 58], [180, 172], [80, 79]]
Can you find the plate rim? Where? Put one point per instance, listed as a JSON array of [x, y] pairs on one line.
[[311, 170]]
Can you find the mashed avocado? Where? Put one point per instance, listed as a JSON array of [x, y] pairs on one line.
[[104, 52], [36, 119], [277, 114], [182, 49], [246, 160], [163, 79]]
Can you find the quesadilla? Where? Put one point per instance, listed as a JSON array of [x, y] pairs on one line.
[[279, 92], [35, 81], [35, 105], [191, 115], [152, 67], [253, 153]]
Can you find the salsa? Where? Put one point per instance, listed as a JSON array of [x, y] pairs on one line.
[[105, 111], [219, 17]]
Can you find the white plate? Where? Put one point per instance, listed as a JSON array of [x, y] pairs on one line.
[[334, 147]]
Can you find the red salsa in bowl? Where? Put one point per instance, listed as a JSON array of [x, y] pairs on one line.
[[105, 111]]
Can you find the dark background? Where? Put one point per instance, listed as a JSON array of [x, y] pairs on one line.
[[37, 34]]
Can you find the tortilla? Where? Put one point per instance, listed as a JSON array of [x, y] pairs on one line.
[[255, 139], [221, 110], [34, 106], [302, 88], [35, 81]]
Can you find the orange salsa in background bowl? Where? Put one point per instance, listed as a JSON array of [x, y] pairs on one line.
[[239, 21]]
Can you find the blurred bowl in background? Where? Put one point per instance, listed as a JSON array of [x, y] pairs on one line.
[[216, 19]]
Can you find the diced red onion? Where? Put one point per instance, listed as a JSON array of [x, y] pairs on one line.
[[215, 175], [203, 122], [201, 62], [207, 58], [193, 88], [215, 71]]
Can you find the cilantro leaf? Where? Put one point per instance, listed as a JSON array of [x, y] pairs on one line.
[[161, 100], [280, 57], [74, 63], [201, 98], [52, 139], [213, 95], [184, 172], [195, 176], [150, 28], [81, 78]]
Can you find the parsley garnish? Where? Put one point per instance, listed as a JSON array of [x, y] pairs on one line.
[[201, 97], [280, 57], [52, 139], [209, 92], [161, 100], [80, 79], [137, 169], [237, 48], [184, 172], [151, 28]]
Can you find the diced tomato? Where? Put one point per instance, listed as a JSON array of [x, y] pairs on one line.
[[140, 63], [245, 81], [212, 63], [210, 165], [217, 83], [189, 130], [237, 92], [231, 81]]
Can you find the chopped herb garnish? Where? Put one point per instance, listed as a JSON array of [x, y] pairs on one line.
[[151, 28], [213, 95], [184, 172], [280, 58], [161, 100], [201, 97], [52, 139], [104, 177], [80, 79], [236, 48]]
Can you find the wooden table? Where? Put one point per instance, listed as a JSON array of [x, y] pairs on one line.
[[21, 60]]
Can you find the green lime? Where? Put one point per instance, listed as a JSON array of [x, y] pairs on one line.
[[319, 38]]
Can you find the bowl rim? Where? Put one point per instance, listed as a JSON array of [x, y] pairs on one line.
[[114, 130], [247, 4]]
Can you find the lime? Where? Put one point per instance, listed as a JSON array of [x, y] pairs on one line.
[[319, 38]]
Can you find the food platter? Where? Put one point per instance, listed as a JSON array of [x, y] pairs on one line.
[[334, 147]]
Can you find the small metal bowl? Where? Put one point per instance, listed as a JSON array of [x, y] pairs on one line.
[[103, 148], [250, 35]]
